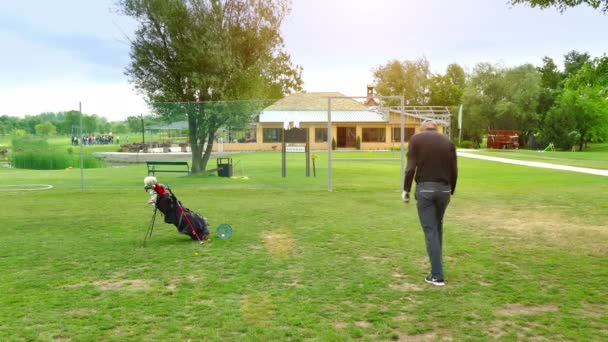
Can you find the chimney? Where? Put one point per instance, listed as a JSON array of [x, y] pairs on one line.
[[370, 91]]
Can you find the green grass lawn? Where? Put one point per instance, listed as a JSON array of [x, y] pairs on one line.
[[526, 256]]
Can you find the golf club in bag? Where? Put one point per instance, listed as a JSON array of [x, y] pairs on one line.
[[186, 221]]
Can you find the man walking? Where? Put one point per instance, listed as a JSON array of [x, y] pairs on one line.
[[431, 160]]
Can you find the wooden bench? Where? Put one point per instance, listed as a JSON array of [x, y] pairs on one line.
[[152, 166]]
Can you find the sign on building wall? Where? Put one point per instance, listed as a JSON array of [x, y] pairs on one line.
[[296, 135]]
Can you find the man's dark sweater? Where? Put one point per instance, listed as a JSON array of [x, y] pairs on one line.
[[431, 157]]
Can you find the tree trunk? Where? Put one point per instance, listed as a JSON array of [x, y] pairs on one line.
[[207, 154], [582, 142], [197, 165], [197, 138], [200, 158]]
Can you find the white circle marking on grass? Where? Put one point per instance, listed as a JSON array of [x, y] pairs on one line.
[[25, 187]]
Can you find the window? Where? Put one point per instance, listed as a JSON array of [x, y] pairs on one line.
[[320, 134], [272, 135], [246, 135], [397, 133], [374, 134]]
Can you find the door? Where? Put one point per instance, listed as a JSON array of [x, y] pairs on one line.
[[347, 137]]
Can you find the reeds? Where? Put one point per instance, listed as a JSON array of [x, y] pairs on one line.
[[36, 154]]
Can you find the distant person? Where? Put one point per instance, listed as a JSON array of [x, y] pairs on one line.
[[127, 141], [431, 161], [118, 140]]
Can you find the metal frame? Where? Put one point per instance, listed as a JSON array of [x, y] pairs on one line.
[[441, 115]]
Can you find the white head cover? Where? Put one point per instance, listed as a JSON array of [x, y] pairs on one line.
[[150, 181]]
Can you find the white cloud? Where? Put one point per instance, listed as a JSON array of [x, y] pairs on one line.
[[112, 100]]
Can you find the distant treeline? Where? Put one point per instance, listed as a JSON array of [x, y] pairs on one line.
[[68, 123], [567, 106]]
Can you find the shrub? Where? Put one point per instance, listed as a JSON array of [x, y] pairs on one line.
[[467, 144]]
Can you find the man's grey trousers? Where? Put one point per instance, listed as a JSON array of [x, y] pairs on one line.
[[432, 199]]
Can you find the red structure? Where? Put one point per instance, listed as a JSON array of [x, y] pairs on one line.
[[503, 139]]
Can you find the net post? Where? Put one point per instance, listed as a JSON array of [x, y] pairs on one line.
[[402, 144], [329, 145]]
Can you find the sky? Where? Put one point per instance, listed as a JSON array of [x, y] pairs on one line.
[[62, 53]]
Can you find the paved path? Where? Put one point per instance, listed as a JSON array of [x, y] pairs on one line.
[[535, 164]]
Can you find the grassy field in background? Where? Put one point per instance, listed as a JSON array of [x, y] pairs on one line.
[[526, 256], [596, 156]]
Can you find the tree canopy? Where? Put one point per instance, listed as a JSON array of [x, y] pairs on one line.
[[66, 123], [582, 107], [196, 51], [447, 90], [562, 107], [407, 78], [562, 5]]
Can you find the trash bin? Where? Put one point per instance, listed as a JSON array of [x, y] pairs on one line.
[[224, 167]]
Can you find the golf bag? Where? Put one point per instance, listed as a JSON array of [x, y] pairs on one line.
[[186, 221]]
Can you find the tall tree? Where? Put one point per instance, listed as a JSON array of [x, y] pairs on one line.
[[551, 85], [46, 128], [559, 123], [30, 122], [584, 102], [446, 90], [517, 110], [574, 61], [482, 93], [89, 124], [408, 78], [134, 124], [71, 123], [119, 127], [562, 5], [7, 124], [499, 98], [196, 51], [550, 75]]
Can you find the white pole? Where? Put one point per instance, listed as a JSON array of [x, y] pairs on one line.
[[402, 146], [329, 139], [459, 124], [81, 150], [459, 136]]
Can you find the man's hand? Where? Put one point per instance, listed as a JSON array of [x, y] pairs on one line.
[[405, 196]]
